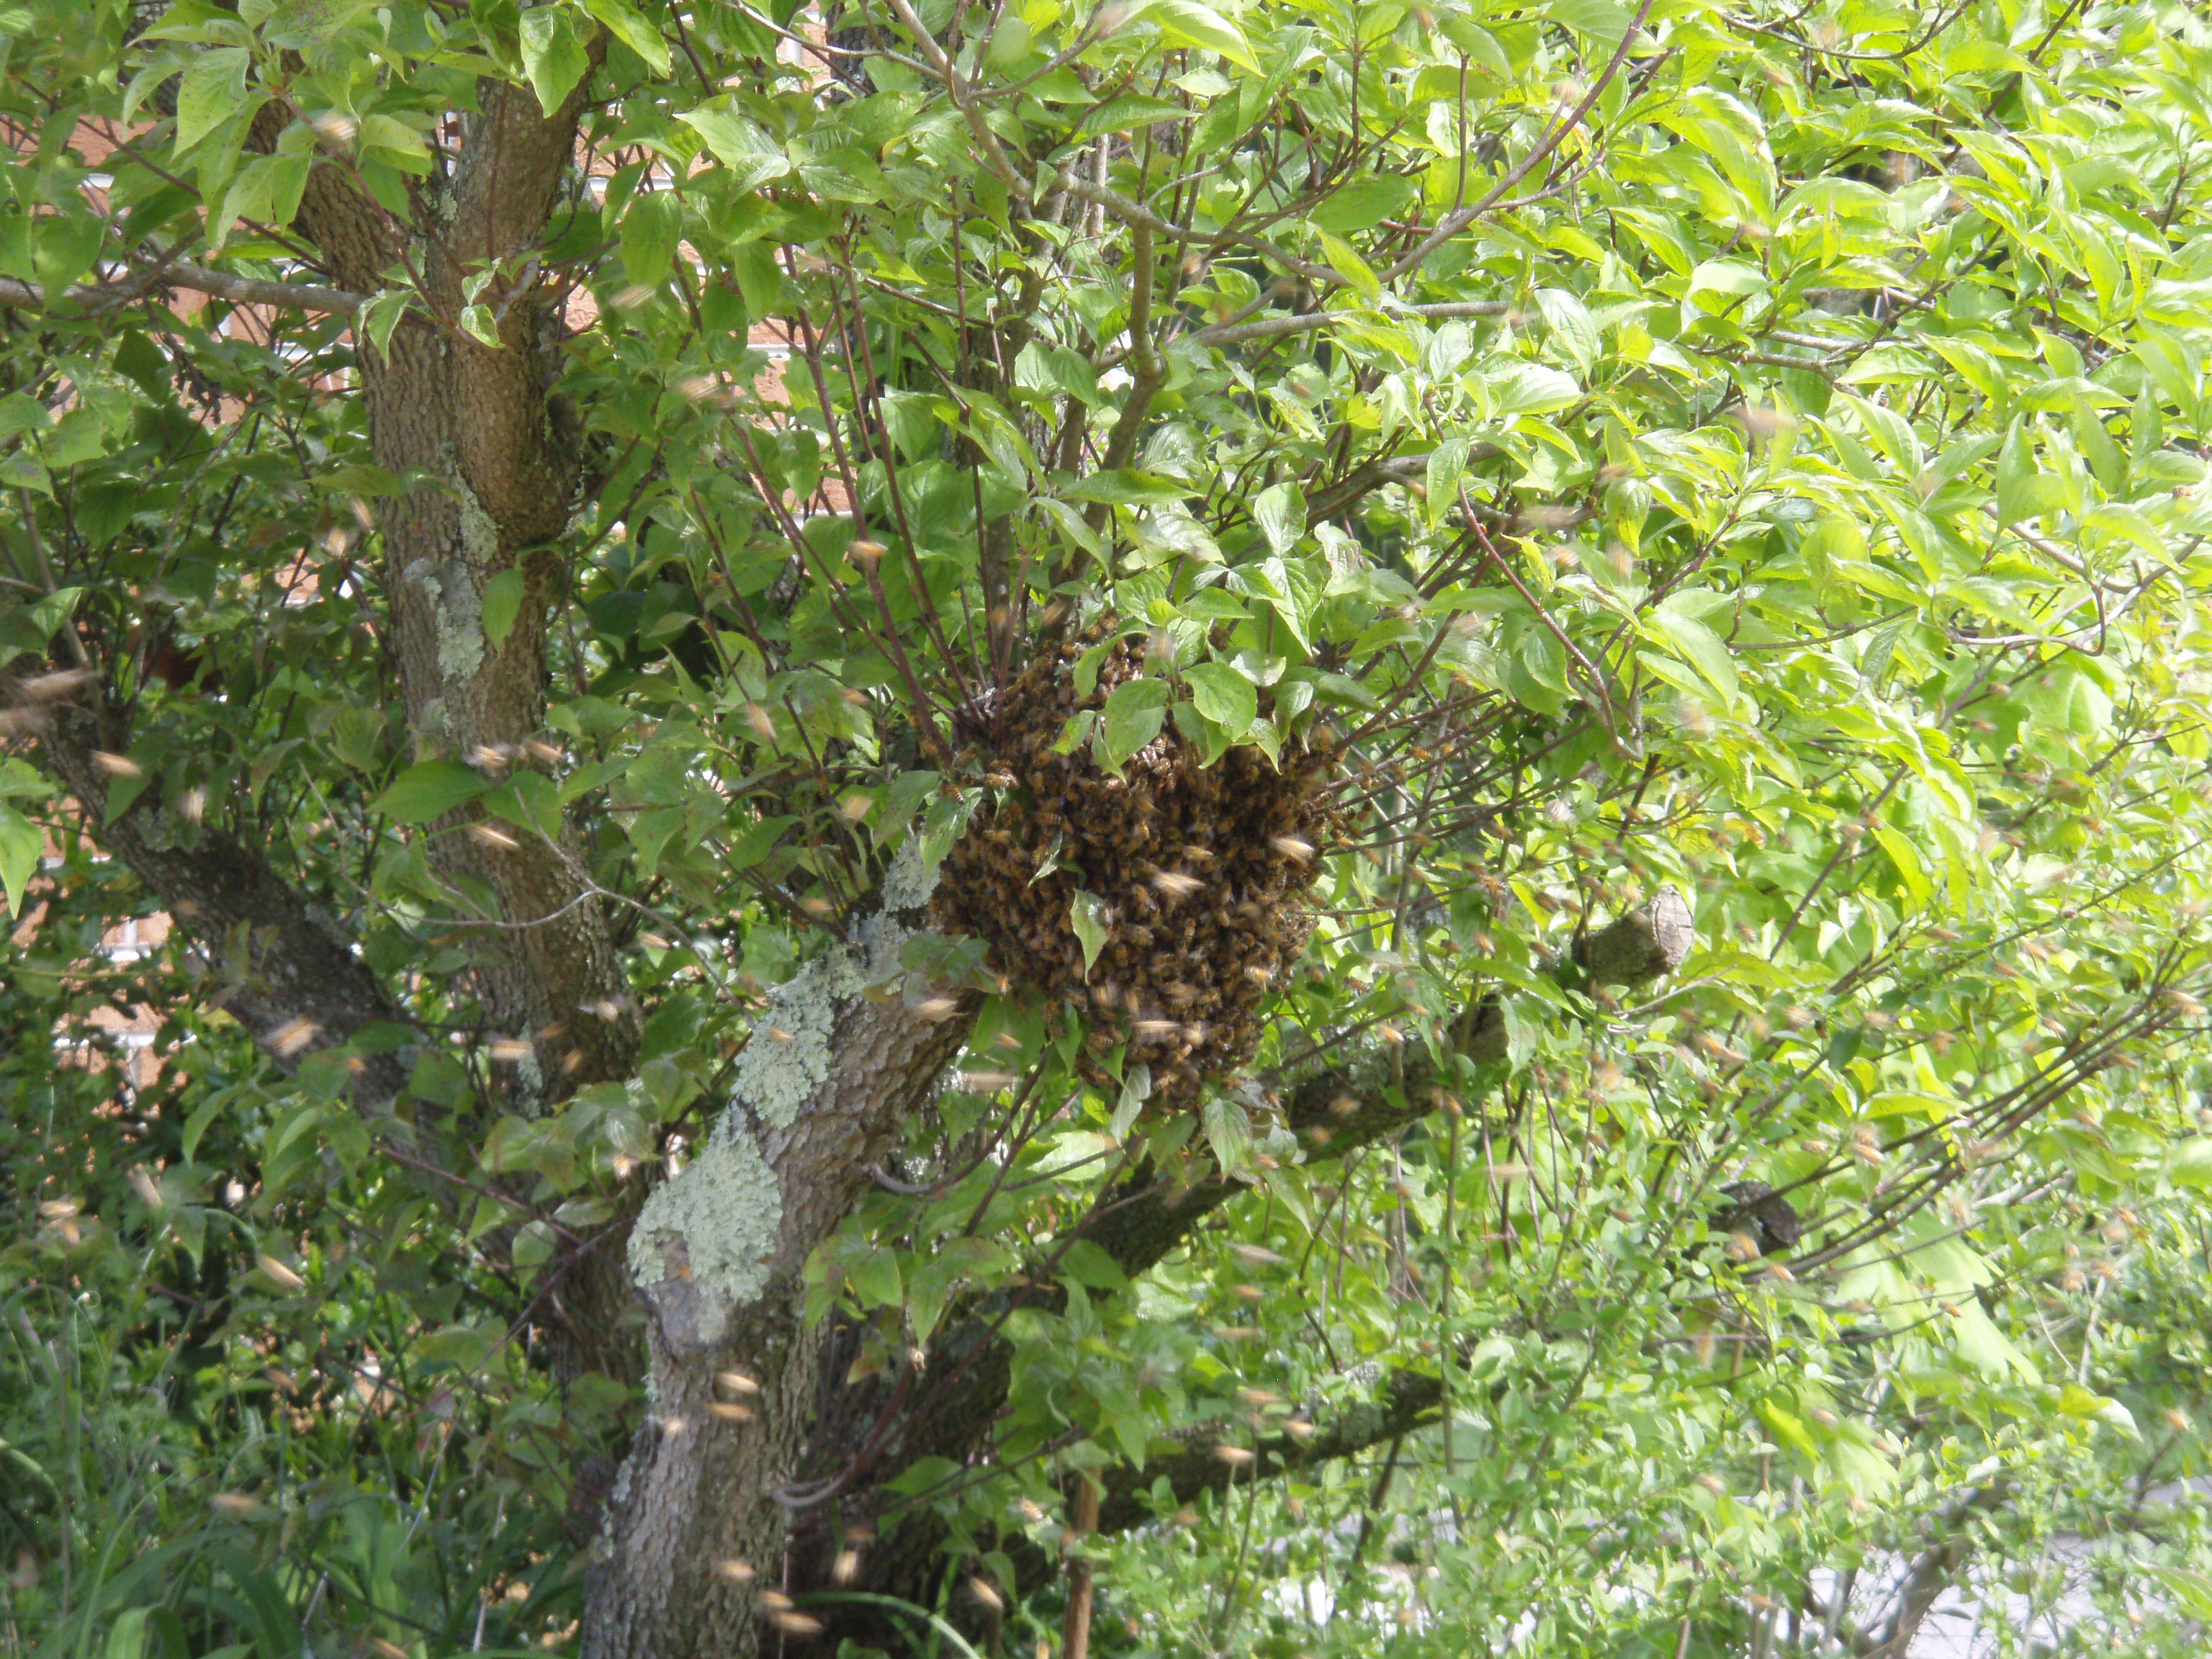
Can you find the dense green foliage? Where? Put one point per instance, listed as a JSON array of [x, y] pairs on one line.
[[1754, 450]]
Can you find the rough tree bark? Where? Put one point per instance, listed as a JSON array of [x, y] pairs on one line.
[[695, 1527]]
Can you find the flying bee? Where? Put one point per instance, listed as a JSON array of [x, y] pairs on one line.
[[294, 1034], [54, 686]]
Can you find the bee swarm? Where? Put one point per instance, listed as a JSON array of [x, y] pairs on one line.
[[1202, 873]]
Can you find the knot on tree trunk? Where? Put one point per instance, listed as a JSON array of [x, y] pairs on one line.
[[1641, 945], [1634, 949]]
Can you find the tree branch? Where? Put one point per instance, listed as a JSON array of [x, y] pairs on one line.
[[1408, 1400], [304, 988], [197, 279], [1931, 1573]]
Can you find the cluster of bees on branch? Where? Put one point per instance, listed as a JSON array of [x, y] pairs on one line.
[[1202, 873]]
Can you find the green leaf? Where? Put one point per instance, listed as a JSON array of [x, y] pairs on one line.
[[1727, 276], [1698, 643], [480, 325], [534, 1245], [1447, 466], [1086, 914], [1135, 711], [21, 845], [2194, 1588], [1568, 319], [213, 90], [634, 32], [1222, 696], [126, 1637], [394, 137], [874, 1277], [79, 436], [2190, 1162], [428, 791], [19, 469], [1228, 1131], [1125, 488], [361, 478], [20, 412], [1363, 202], [1086, 1262], [751, 156], [1906, 857], [1344, 260], [502, 603], [2015, 477], [381, 315], [298, 25], [552, 55], [1122, 114], [1187, 24], [1136, 1090], [1279, 510], [650, 229]]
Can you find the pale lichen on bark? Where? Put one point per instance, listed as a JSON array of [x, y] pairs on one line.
[[459, 619], [712, 1228], [706, 1236]]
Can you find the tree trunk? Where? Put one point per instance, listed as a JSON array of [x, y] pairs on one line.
[[696, 1524]]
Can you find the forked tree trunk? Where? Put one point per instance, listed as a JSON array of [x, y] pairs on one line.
[[694, 1532]]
